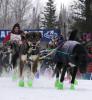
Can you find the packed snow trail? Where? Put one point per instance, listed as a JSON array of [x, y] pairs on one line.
[[43, 89]]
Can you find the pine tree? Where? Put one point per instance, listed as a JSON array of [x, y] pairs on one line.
[[49, 20], [83, 15], [88, 11]]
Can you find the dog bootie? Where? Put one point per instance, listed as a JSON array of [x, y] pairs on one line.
[[72, 87], [57, 82], [29, 83], [21, 83], [76, 82], [59, 85]]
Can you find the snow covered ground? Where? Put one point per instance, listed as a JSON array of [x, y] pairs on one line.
[[43, 89]]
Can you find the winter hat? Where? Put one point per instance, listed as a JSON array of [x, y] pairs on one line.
[[16, 25]]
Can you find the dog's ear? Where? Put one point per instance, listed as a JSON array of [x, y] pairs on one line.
[[73, 35]]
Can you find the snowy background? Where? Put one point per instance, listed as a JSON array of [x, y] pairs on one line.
[[43, 89]]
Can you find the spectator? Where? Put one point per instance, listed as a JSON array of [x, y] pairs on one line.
[[15, 30]]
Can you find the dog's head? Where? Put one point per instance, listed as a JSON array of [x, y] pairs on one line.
[[33, 36]]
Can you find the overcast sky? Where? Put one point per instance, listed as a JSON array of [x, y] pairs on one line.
[[66, 3], [58, 2]]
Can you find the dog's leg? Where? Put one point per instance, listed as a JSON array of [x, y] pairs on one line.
[[57, 72], [75, 69], [60, 85]]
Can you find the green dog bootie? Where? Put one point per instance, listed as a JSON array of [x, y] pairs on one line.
[[30, 83], [76, 82], [21, 83], [60, 86], [56, 82], [72, 87]]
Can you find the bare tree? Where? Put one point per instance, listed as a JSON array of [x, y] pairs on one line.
[[4, 13], [65, 21], [62, 22], [35, 18], [0, 3], [20, 10]]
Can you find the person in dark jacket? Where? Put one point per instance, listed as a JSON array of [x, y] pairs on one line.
[[15, 30]]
